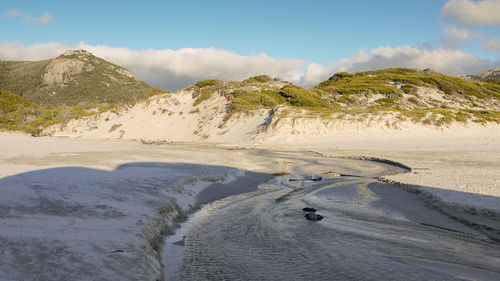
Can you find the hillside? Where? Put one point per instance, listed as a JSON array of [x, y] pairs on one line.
[[73, 78], [19, 114], [261, 108]]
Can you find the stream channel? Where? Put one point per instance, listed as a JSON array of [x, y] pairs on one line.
[[370, 231]]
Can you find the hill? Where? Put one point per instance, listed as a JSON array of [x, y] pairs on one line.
[[73, 78], [262, 108]]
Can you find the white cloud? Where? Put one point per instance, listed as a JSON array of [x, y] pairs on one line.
[[443, 60], [13, 14], [44, 19], [457, 33], [171, 69], [457, 36], [468, 12], [450, 61], [174, 69], [179, 68], [15, 51]]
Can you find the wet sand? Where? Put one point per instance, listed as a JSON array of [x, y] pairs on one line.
[[370, 231]]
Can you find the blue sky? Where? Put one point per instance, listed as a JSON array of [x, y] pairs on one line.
[[320, 34]]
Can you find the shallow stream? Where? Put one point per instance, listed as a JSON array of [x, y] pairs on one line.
[[370, 231]]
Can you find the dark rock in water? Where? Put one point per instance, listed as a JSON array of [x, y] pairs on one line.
[[314, 217], [307, 178], [181, 242], [308, 209]]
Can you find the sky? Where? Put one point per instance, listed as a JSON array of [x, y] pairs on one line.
[[173, 44]]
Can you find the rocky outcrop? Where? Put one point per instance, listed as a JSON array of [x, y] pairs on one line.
[[491, 73]]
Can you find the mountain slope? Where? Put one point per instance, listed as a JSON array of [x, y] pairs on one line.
[[73, 78]]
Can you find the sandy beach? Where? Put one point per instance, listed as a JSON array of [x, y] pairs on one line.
[[60, 190], [236, 140]]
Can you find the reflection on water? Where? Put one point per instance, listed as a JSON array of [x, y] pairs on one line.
[[371, 231]]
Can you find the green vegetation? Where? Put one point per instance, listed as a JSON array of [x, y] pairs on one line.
[[243, 100], [413, 100], [407, 89], [204, 95], [257, 79], [348, 84], [441, 117], [206, 83], [18, 114], [346, 99], [340, 75], [383, 81], [155, 91], [300, 97], [385, 102], [267, 98], [88, 81], [344, 95]]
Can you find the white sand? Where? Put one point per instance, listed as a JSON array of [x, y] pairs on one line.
[[456, 167], [88, 209], [460, 157], [78, 173]]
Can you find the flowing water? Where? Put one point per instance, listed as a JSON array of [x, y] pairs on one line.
[[370, 231]]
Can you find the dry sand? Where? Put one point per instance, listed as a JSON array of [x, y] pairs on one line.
[[461, 157], [453, 164], [454, 170]]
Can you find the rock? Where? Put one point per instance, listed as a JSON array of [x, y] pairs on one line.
[[313, 217], [308, 209], [307, 178]]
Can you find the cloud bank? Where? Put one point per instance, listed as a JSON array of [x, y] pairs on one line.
[[174, 69], [46, 18], [468, 12]]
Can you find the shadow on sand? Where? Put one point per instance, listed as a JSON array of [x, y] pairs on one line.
[[75, 223]]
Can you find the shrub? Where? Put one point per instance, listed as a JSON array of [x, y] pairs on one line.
[[407, 89], [203, 96], [385, 102], [247, 100], [413, 100], [206, 83], [258, 79], [301, 97], [155, 91], [379, 82], [346, 99], [340, 75]]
